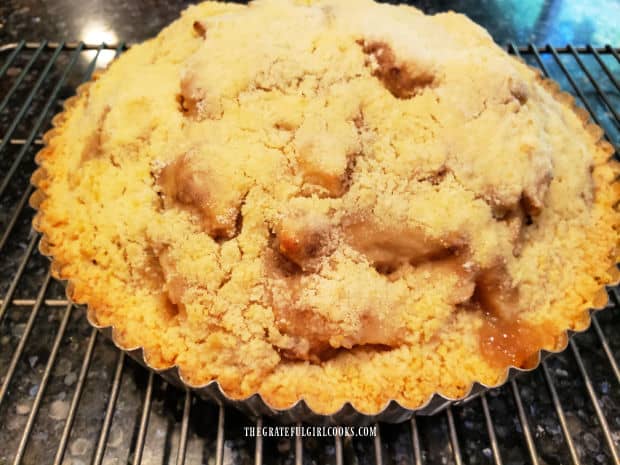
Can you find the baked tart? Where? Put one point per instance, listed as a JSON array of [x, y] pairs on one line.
[[335, 201]]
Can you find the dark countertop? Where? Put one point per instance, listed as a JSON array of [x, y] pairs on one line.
[[538, 21]]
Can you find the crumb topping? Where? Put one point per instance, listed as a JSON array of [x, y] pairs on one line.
[[335, 200]]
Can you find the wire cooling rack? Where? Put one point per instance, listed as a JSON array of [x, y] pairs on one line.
[[67, 396]]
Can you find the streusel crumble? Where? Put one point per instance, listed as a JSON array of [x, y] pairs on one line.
[[334, 200]]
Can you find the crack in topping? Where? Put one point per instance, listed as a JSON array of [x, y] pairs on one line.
[[502, 198], [191, 182], [172, 284], [388, 248], [437, 177], [92, 147], [533, 196], [195, 103], [517, 220], [304, 238], [404, 79], [495, 293], [519, 90], [182, 106], [200, 28], [278, 265], [326, 152]]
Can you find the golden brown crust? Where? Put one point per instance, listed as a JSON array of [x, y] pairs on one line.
[[607, 193]]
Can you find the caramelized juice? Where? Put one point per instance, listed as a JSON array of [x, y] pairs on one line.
[[511, 342]]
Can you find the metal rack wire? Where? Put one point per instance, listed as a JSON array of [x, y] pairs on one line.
[[105, 409]]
